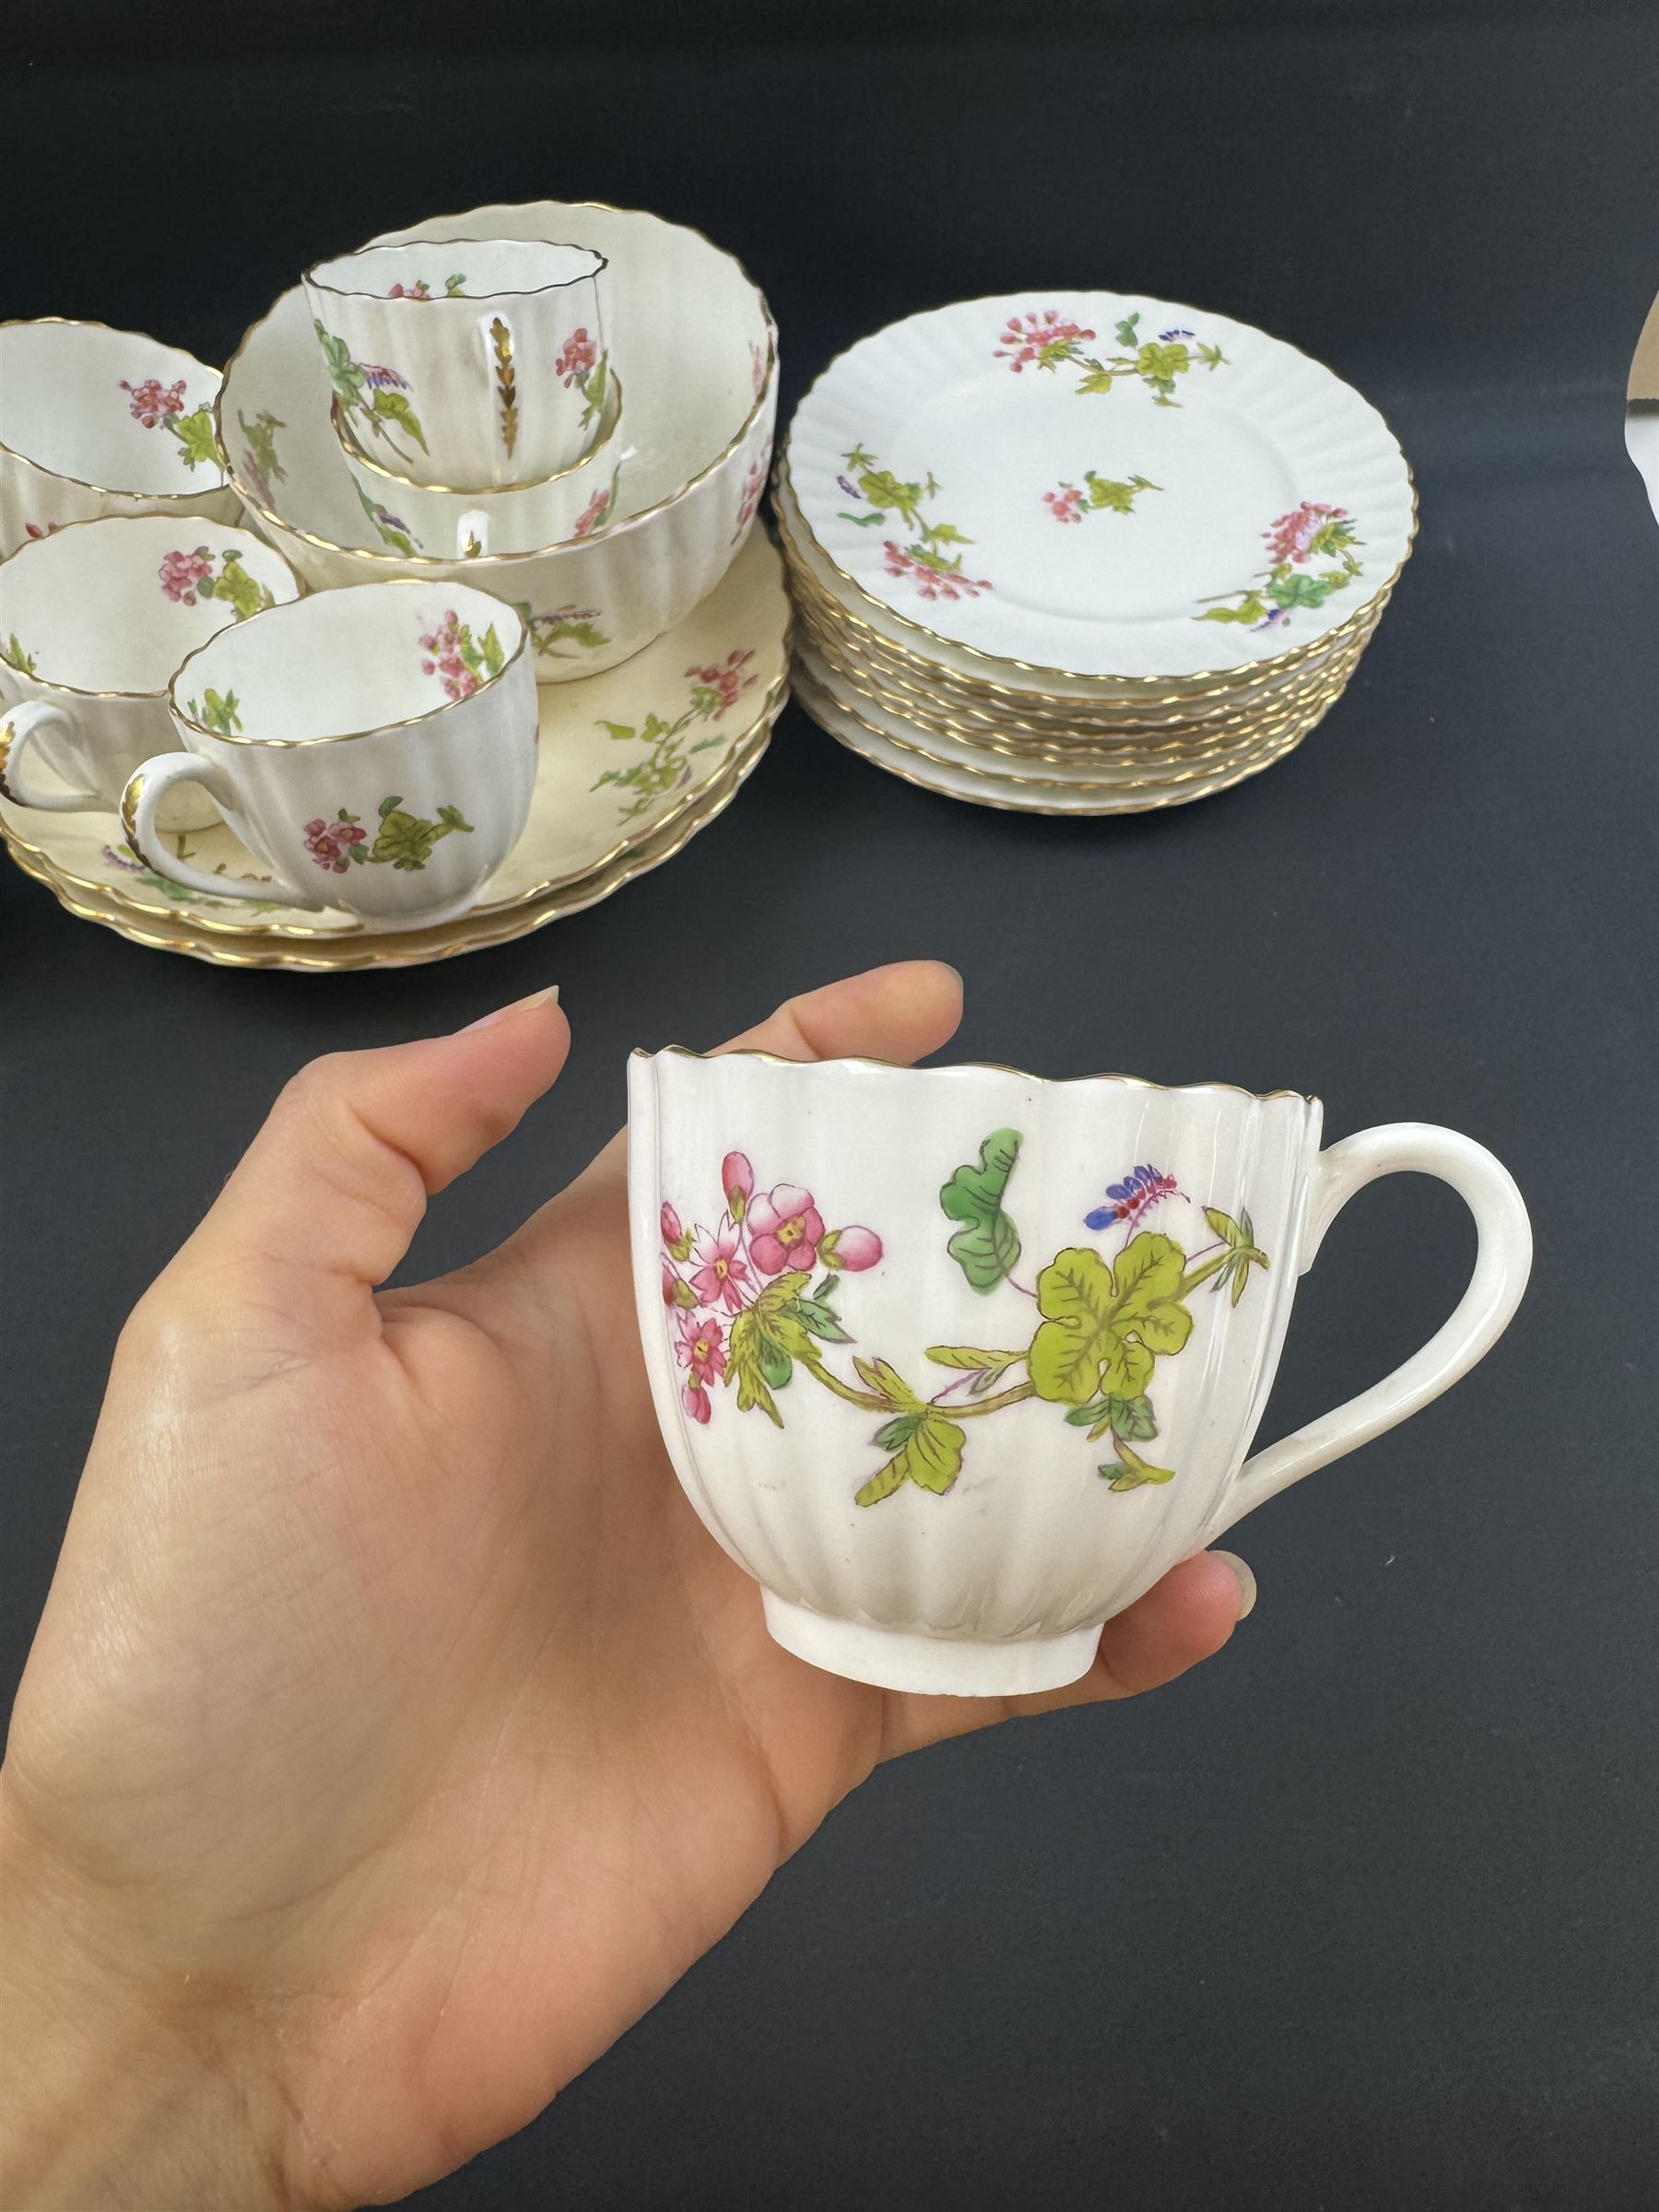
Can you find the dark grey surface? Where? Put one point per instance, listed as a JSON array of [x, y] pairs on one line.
[[1360, 1916]]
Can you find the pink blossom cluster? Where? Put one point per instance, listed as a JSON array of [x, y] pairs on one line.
[[180, 573], [419, 290], [330, 843], [1289, 537], [444, 646], [578, 357], [42, 529], [152, 400], [594, 513], [1066, 505], [931, 583], [722, 684], [1043, 338], [710, 1275]]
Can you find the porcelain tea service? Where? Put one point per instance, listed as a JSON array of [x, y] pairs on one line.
[[374, 748], [94, 620], [956, 1362]]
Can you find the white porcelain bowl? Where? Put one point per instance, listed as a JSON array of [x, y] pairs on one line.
[[694, 348], [956, 1362], [95, 421]]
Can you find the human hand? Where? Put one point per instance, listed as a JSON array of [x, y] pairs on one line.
[[395, 1733]]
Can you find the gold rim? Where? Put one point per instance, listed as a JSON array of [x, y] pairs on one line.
[[1244, 748], [802, 696], [1017, 741], [105, 521], [1006, 703], [408, 721], [734, 444], [111, 491], [772, 707], [972, 1067], [354, 452], [250, 952], [1038, 667], [568, 245], [876, 643]]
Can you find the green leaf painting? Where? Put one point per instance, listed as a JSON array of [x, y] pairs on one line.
[[1311, 532], [987, 1248], [741, 1306]]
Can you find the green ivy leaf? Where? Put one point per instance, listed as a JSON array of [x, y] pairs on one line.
[[1253, 609], [1104, 1325], [928, 1454], [744, 1367], [1125, 329], [394, 406], [195, 433], [887, 1384], [775, 1363], [1132, 1419], [987, 1368], [819, 1318], [1133, 1471], [987, 1248], [1097, 380]]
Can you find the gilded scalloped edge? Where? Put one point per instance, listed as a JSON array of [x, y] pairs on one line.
[[969, 1067]]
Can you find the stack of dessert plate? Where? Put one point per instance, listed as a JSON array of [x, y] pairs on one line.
[[1084, 553]]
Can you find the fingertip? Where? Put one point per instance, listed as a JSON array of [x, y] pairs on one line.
[[1186, 1617]]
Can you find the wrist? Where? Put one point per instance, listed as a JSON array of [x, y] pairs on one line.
[[122, 2092]]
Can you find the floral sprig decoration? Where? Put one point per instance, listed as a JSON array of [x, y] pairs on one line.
[[1071, 502], [742, 1315], [403, 840], [926, 559], [15, 656], [375, 397], [739, 1296], [187, 577], [1309, 533], [462, 663], [160, 407], [454, 289], [668, 764], [219, 713], [579, 362], [260, 463], [1051, 341]]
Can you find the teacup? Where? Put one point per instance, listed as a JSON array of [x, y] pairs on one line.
[[93, 621], [374, 748], [477, 361], [433, 519], [956, 1362], [95, 421]]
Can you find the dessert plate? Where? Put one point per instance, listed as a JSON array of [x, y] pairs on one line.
[[987, 788], [621, 756], [1096, 485], [411, 949]]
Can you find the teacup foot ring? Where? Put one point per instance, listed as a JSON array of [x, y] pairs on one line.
[[932, 1666]]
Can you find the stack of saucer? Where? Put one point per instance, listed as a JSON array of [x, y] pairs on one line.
[[1087, 554]]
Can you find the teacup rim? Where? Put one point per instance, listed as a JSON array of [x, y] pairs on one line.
[[406, 721], [354, 452], [334, 291], [978, 1067], [118, 492], [91, 521]]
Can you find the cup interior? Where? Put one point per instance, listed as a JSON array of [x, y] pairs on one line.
[[471, 269], [112, 408], [346, 663], [116, 605]]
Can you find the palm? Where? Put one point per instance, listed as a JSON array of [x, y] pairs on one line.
[[487, 1740]]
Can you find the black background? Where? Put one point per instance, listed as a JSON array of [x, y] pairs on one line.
[[1363, 1914]]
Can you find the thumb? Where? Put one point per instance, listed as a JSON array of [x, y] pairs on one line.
[[328, 1198]]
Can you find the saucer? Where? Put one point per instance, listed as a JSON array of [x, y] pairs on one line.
[[622, 756], [1098, 487], [412, 949]]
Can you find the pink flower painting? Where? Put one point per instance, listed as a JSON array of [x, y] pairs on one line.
[[720, 1269], [785, 1229]]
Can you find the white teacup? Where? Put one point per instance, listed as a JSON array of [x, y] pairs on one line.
[[476, 362], [579, 501], [93, 621], [374, 748], [956, 1362], [96, 422]]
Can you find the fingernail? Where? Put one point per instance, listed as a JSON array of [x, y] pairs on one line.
[[549, 997], [1245, 1580]]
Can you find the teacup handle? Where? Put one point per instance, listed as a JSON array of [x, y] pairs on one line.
[[1502, 1262], [17, 728], [147, 786], [495, 334]]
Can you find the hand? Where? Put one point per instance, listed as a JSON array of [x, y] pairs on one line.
[[394, 1735]]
